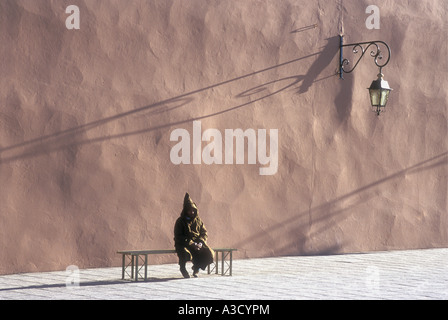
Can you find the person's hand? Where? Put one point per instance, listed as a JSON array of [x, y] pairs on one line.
[[198, 246]]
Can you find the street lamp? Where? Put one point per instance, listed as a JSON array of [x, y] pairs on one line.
[[379, 89], [379, 93]]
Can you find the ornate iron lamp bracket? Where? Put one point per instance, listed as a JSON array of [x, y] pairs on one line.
[[362, 47]]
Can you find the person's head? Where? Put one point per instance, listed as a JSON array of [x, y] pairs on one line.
[[190, 213], [190, 209]]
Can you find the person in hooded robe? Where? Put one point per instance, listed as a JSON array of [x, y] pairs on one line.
[[190, 239]]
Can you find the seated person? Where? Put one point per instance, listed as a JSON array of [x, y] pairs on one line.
[[190, 238]]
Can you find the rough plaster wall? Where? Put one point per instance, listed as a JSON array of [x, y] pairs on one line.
[[86, 117]]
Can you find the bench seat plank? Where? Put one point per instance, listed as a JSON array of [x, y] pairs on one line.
[[139, 252]]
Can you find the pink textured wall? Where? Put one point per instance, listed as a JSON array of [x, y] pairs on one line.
[[86, 118]]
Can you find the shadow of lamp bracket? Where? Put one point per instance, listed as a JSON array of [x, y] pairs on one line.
[[379, 89]]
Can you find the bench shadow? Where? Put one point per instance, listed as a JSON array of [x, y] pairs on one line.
[[95, 283]]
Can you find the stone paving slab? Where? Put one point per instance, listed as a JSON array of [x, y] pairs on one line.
[[413, 274]]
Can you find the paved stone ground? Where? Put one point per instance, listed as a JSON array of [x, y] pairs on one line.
[[414, 274]]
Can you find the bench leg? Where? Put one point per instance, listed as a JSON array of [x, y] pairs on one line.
[[222, 263], [146, 267], [136, 268], [217, 263], [132, 266], [123, 262], [230, 263]]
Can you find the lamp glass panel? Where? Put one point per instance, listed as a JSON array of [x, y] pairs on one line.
[[375, 95], [384, 97]]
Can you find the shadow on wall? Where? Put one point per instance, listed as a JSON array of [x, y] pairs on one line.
[[323, 60], [324, 216], [306, 28], [343, 100], [76, 136], [71, 138]]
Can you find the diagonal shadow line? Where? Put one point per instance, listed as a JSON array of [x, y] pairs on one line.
[[306, 28], [96, 123], [87, 284], [419, 167], [65, 139], [45, 149], [91, 125], [339, 213]]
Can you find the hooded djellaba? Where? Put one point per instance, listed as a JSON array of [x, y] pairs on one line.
[[190, 239]]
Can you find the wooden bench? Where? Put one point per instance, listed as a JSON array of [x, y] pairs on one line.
[[138, 259]]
